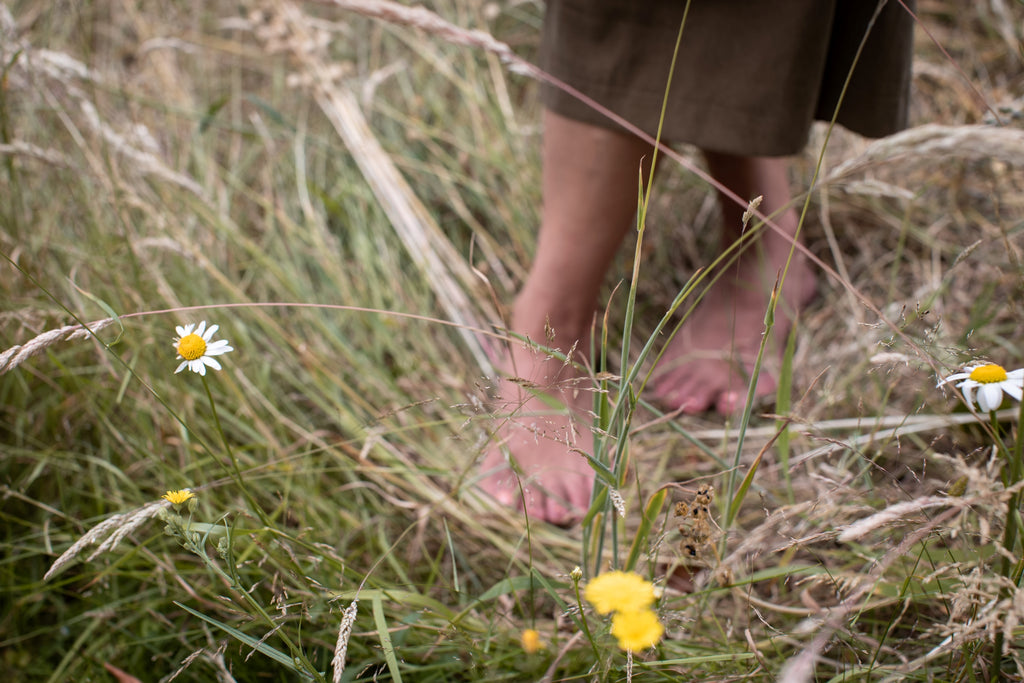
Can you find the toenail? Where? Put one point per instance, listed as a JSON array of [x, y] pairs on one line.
[[730, 401]]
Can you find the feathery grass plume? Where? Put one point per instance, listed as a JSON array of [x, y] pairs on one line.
[[899, 510], [617, 501], [348, 618], [132, 521], [16, 355], [111, 530]]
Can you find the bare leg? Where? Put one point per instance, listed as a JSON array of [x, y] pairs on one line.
[[589, 186], [708, 363]]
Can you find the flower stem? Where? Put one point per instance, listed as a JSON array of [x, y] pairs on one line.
[[197, 546], [235, 470], [1014, 474], [583, 617], [1015, 471]]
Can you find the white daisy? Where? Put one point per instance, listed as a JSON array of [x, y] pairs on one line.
[[991, 381], [196, 349]]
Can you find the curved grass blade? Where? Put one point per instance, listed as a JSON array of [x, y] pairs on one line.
[[275, 654], [651, 512]]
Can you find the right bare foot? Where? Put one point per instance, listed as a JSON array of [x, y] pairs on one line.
[[538, 463], [709, 363]]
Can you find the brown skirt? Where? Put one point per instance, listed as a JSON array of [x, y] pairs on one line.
[[751, 75]]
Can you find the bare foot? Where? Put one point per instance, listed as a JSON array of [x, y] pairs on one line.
[[709, 362], [537, 463]]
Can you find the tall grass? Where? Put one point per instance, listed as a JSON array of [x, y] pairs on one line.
[[269, 169]]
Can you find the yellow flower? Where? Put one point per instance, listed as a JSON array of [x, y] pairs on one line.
[[176, 498], [619, 592], [637, 629], [531, 641]]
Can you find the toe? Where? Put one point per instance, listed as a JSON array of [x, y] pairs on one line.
[[729, 402], [685, 397], [506, 494], [733, 399], [555, 512]]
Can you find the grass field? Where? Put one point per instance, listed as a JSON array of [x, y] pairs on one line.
[[353, 199]]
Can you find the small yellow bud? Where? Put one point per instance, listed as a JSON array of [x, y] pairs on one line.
[[531, 641]]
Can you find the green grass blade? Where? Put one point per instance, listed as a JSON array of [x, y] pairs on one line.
[[651, 512], [385, 640], [741, 492], [275, 654], [783, 403]]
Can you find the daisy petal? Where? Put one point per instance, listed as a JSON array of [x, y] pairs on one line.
[[953, 378], [990, 396], [968, 389], [217, 348]]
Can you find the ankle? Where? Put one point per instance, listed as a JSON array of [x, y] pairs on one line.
[[552, 322]]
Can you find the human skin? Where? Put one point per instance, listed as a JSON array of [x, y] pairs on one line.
[[589, 183]]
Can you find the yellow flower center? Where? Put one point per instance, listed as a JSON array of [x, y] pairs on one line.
[[193, 346], [988, 374]]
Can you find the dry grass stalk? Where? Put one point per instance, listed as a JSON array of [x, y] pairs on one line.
[[910, 424], [425, 20], [16, 355], [800, 668], [449, 274], [925, 144], [894, 512], [50, 156], [134, 143], [882, 427]]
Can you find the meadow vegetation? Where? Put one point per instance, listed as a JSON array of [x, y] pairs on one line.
[[353, 199]]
